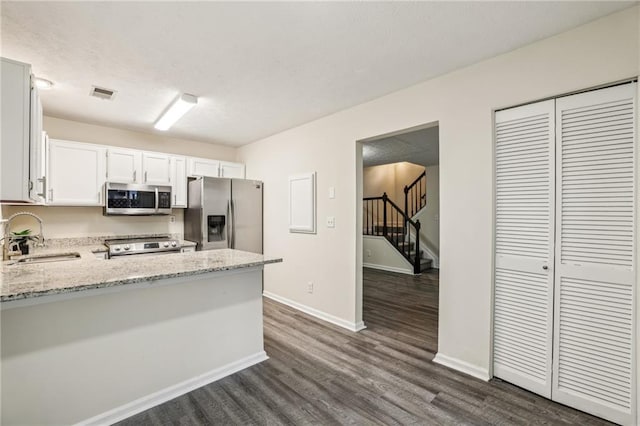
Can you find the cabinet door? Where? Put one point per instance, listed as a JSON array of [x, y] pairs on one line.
[[124, 165], [179, 181], [14, 132], [203, 167], [231, 170], [156, 168], [36, 150], [76, 174]]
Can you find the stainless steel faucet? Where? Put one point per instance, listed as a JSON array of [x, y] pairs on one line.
[[8, 246]]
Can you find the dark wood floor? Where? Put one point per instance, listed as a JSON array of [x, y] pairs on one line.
[[321, 374]]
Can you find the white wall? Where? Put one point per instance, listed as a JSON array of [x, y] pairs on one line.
[[378, 253], [389, 178], [67, 222], [58, 128], [462, 102], [429, 217]]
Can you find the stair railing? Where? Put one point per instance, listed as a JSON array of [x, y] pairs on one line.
[[415, 195], [382, 217]]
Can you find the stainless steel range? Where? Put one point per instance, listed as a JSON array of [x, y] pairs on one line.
[[144, 246]]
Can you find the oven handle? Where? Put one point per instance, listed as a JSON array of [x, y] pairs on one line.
[[157, 199], [140, 255]]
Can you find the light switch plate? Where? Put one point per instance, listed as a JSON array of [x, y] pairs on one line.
[[332, 192], [331, 222]]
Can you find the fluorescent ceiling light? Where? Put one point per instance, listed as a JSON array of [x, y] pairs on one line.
[[42, 83], [176, 110]]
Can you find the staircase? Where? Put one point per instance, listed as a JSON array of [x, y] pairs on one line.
[[382, 217], [395, 234]]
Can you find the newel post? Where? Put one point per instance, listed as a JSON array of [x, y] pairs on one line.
[[406, 204], [416, 264], [384, 214]]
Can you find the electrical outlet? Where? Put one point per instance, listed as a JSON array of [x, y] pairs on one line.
[[310, 287], [172, 219], [368, 253]]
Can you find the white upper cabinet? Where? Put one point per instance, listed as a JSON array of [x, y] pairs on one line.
[[76, 174], [202, 167], [156, 168], [179, 181], [37, 151], [21, 120], [124, 165], [231, 170]]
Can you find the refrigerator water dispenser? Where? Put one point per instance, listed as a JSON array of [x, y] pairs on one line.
[[216, 228]]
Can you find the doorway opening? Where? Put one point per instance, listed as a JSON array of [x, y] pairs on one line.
[[399, 209]]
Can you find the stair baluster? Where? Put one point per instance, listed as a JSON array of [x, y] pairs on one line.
[[395, 227]]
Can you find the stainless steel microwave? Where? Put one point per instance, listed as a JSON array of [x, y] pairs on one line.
[[135, 199]]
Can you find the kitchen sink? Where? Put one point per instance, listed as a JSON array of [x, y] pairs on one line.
[[46, 258]]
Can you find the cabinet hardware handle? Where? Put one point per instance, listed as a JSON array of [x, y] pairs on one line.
[[43, 194], [175, 199], [51, 194], [545, 267], [134, 175], [145, 177]]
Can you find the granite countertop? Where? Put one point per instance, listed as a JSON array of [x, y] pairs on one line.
[[23, 281]]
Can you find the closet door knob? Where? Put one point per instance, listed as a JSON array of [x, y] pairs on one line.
[[545, 267]]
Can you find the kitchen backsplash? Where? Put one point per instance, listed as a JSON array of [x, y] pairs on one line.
[[83, 222]]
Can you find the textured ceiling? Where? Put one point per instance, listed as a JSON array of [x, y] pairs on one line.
[[418, 147], [259, 68]]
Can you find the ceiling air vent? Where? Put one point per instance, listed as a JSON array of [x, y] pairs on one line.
[[102, 93]]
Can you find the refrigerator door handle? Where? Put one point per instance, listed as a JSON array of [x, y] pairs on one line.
[[229, 224], [233, 225]]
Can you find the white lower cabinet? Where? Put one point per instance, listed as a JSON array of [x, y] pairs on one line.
[[75, 173], [179, 181]]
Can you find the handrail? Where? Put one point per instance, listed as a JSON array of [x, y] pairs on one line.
[[398, 235], [415, 195], [404, 215], [412, 184]]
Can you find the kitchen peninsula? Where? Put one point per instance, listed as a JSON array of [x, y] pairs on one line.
[[93, 341]]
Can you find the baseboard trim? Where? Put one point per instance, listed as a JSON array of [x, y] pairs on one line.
[[351, 326], [139, 405], [387, 268], [462, 366]]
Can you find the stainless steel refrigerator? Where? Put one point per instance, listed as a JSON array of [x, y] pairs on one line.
[[224, 213]]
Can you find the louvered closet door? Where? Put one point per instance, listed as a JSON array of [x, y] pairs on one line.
[[523, 299], [595, 261]]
